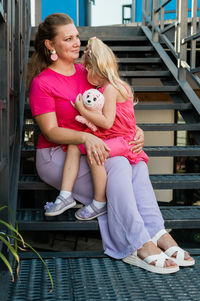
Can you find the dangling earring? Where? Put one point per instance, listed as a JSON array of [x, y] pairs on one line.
[[53, 56]]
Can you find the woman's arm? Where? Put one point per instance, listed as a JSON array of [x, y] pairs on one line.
[[106, 119], [52, 132]]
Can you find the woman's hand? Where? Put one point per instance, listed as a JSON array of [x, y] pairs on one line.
[[96, 149], [138, 143]]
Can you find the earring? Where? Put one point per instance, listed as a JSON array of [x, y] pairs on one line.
[[53, 56]]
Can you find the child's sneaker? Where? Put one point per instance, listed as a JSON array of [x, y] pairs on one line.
[[53, 209], [85, 215]]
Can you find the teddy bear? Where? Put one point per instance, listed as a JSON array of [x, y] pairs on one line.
[[93, 100]]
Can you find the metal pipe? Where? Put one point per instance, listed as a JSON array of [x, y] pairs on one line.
[[133, 13], [77, 12]]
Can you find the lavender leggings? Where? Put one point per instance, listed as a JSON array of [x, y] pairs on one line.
[[133, 215]]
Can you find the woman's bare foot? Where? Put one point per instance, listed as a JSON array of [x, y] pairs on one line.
[[166, 241], [148, 249]]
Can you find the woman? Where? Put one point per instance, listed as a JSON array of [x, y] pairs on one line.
[[133, 219]]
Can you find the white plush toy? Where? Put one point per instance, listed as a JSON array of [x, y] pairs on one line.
[[93, 100]]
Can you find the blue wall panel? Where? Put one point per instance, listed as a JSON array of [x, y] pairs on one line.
[[81, 12], [59, 6]]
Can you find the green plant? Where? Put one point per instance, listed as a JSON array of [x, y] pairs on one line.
[[13, 248]]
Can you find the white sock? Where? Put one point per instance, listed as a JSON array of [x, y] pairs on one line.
[[64, 194], [97, 204]]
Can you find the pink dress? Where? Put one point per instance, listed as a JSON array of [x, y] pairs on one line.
[[121, 133]]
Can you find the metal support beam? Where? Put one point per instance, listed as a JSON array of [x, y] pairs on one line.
[[182, 33], [133, 9]]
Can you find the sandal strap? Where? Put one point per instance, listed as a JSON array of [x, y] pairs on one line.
[[158, 235], [180, 252], [61, 198], [159, 258]]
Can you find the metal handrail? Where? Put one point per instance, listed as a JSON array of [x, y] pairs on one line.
[[154, 14]]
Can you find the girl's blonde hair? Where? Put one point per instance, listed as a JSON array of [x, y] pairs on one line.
[[47, 30], [100, 60]]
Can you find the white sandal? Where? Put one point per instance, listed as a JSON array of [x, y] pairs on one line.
[[145, 263], [180, 257]]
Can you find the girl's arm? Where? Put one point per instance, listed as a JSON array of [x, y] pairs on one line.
[[52, 132], [106, 119]]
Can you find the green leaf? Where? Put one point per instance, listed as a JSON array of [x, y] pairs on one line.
[[8, 265], [13, 230], [39, 256], [13, 251]]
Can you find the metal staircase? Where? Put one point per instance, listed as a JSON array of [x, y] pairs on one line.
[[93, 276], [139, 58]]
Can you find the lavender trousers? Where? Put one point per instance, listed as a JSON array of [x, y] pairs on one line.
[[133, 216]]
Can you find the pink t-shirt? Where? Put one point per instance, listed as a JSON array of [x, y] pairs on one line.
[[52, 92]]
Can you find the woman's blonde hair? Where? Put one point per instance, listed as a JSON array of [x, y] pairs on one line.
[[47, 30], [100, 60]]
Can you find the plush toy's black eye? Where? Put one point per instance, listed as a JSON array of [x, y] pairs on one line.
[[94, 98], [88, 95]]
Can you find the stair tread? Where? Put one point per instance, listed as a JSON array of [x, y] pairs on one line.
[[191, 150], [162, 105], [29, 219], [156, 73], [170, 88], [159, 181], [148, 105], [117, 48], [170, 126], [137, 60]]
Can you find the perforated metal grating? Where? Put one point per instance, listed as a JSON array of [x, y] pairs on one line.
[[92, 279]]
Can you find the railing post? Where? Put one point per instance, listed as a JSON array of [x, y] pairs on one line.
[[144, 8], [133, 13], [182, 33], [193, 31], [155, 18], [176, 27], [162, 19]]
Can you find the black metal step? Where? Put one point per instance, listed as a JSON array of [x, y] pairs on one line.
[[82, 278], [172, 151], [117, 48], [177, 217], [170, 126], [130, 48], [141, 60], [145, 105], [111, 38], [159, 73], [145, 127], [156, 88], [153, 151], [163, 105], [159, 181], [107, 38], [176, 181]]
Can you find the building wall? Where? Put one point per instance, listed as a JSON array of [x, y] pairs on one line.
[[106, 12], [68, 7]]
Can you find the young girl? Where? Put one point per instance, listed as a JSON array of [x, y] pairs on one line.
[[116, 126]]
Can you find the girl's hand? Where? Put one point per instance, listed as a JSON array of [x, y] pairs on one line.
[[78, 105], [96, 149], [138, 143]]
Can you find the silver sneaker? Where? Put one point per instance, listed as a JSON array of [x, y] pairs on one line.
[[53, 209]]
